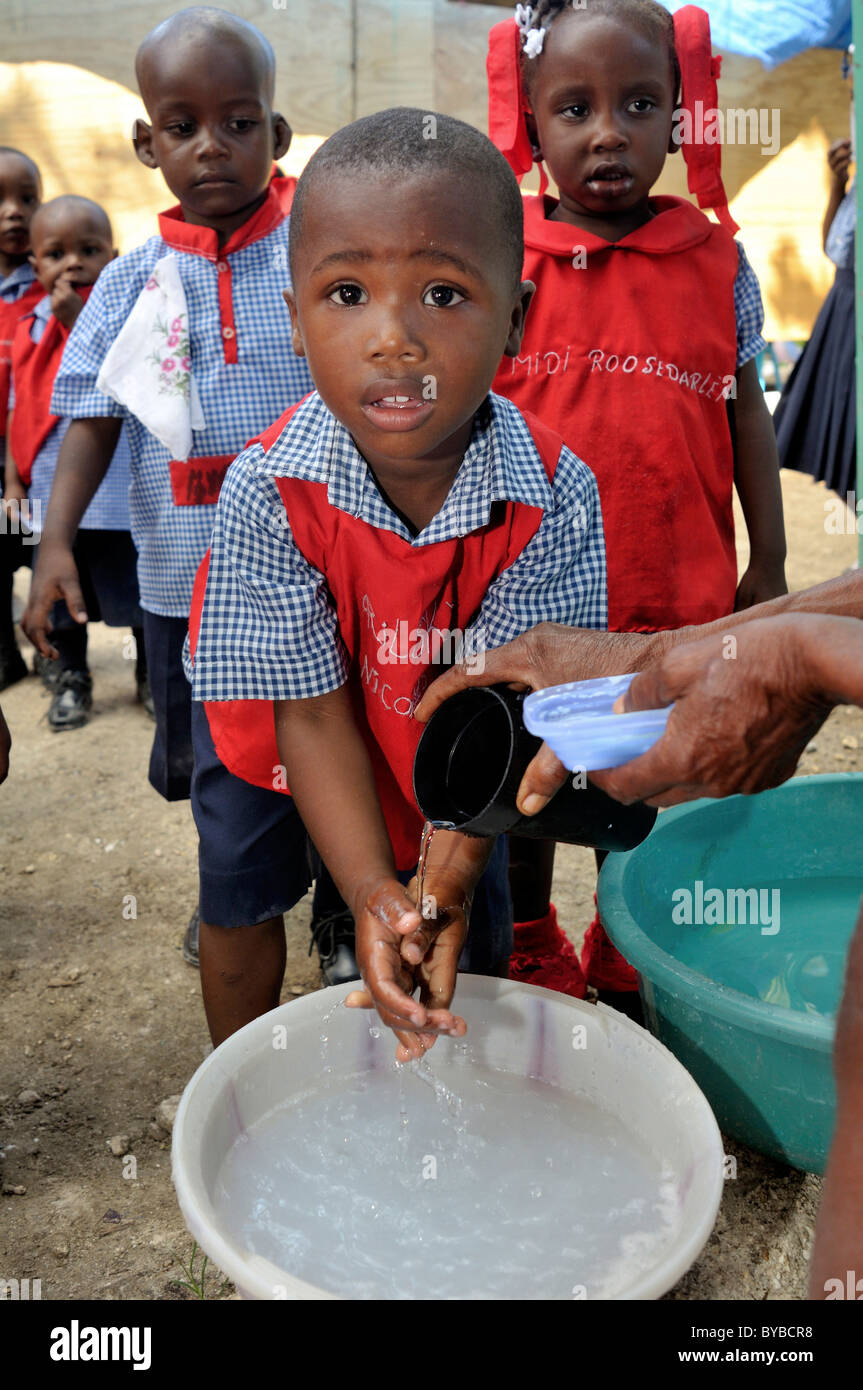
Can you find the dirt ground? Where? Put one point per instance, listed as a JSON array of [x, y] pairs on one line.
[[103, 1019]]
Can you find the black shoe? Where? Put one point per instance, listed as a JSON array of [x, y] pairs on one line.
[[13, 668], [334, 937], [47, 670], [190, 940], [72, 702], [145, 695]]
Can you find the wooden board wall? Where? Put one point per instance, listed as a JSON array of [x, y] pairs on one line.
[[67, 96]]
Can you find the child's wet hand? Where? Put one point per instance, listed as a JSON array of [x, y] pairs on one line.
[[384, 919]]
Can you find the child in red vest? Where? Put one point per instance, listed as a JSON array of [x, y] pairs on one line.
[[72, 243], [640, 345], [20, 196], [185, 344], [400, 492]]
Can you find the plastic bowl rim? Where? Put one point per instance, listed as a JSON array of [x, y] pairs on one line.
[[660, 967], [660, 1279]]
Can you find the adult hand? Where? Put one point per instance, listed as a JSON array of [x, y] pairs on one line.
[[5, 746], [745, 705], [56, 577], [387, 926], [550, 654]]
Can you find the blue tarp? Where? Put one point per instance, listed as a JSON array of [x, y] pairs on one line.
[[774, 30]]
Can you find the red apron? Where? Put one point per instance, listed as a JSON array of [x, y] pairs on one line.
[[9, 316], [366, 571], [629, 353], [34, 368]]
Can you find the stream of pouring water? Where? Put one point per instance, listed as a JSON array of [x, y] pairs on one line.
[[425, 846]]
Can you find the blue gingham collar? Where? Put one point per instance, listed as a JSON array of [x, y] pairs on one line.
[[501, 464]]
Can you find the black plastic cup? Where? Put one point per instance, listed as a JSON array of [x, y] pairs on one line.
[[469, 764]]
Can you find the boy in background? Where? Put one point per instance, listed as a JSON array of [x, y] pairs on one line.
[[216, 266], [20, 196], [72, 243]]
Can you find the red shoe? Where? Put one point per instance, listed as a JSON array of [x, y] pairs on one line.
[[603, 965], [543, 955]]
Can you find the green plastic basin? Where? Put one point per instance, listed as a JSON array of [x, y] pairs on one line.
[[738, 915]]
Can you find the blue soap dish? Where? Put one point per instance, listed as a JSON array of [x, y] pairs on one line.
[[578, 723]]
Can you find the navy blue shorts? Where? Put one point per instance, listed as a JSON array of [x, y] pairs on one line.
[[171, 755], [254, 861], [107, 568]]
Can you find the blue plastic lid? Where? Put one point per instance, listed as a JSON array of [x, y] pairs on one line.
[[578, 723]]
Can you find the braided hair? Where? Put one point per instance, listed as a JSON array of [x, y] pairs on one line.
[[652, 19]]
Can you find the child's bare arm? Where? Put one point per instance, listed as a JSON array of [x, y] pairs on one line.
[[331, 780], [756, 477], [85, 457], [14, 491], [330, 777]]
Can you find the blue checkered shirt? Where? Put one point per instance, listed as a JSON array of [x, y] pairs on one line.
[[109, 509], [748, 310], [239, 399], [16, 282], [269, 629]]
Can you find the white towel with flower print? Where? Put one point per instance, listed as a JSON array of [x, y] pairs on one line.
[[147, 369]]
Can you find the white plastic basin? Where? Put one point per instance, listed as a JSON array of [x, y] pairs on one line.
[[588, 1051]]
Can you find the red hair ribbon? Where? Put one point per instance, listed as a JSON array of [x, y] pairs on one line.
[[508, 105], [507, 102], [698, 73]]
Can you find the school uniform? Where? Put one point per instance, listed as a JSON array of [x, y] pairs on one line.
[[310, 574], [816, 416], [104, 551], [19, 291], [630, 353], [244, 370]]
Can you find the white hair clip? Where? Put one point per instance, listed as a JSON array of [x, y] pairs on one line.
[[531, 39], [524, 18], [533, 42]]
